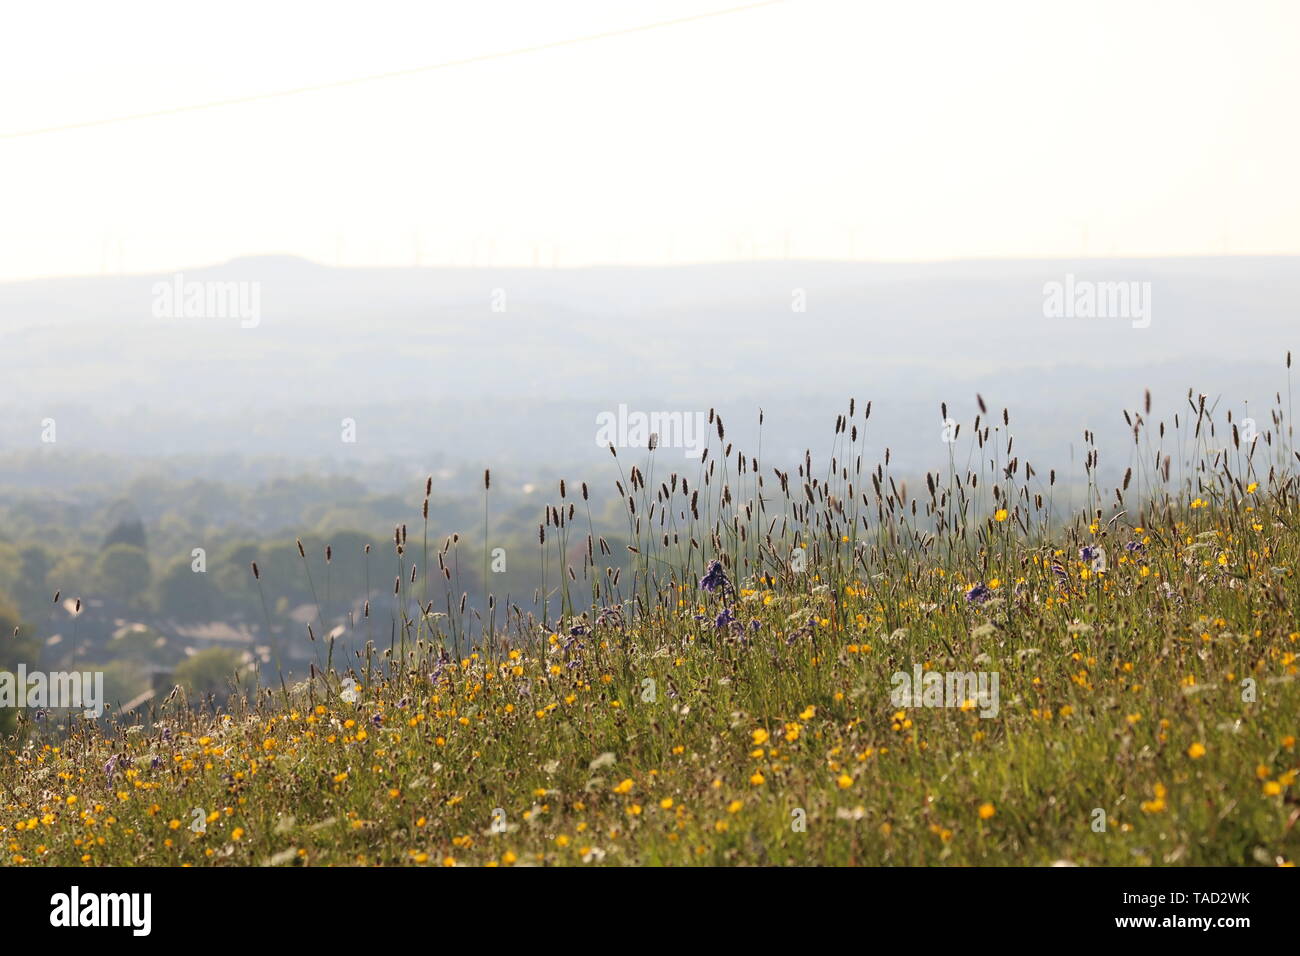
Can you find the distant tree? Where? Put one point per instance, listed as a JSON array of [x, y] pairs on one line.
[[11, 567], [31, 593], [207, 672], [128, 531], [233, 578], [70, 574], [186, 594], [123, 572], [123, 681]]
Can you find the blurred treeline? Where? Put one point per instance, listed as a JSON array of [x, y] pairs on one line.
[[156, 561]]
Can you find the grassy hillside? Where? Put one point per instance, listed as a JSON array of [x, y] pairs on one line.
[[734, 698]]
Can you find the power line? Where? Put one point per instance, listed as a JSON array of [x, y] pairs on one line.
[[394, 74]]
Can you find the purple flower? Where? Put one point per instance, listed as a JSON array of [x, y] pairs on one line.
[[1134, 546], [725, 619], [978, 594], [716, 579], [1088, 554]]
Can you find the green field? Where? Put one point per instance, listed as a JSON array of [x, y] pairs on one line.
[[1144, 642]]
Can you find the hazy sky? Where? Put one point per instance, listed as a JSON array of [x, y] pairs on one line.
[[809, 128]]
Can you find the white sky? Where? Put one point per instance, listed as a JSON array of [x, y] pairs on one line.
[[812, 128]]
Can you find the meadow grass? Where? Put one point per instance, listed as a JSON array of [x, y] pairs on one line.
[[725, 694]]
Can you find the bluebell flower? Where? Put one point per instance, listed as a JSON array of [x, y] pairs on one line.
[[978, 594], [1094, 556], [716, 579]]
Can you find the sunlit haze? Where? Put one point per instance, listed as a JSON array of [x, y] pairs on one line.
[[804, 129]]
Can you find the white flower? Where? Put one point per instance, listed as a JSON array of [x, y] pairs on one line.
[[351, 691]]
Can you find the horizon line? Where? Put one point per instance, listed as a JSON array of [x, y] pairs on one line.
[[703, 263]]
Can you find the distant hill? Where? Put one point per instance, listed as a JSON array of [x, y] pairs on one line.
[[426, 367]]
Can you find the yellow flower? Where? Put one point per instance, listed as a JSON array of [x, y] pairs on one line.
[[624, 786], [760, 737], [756, 779], [1196, 751], [1272, 788], [987, 810], [1000, 514], [237, 833], [666, 803], [808, 713], [844, 781]]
